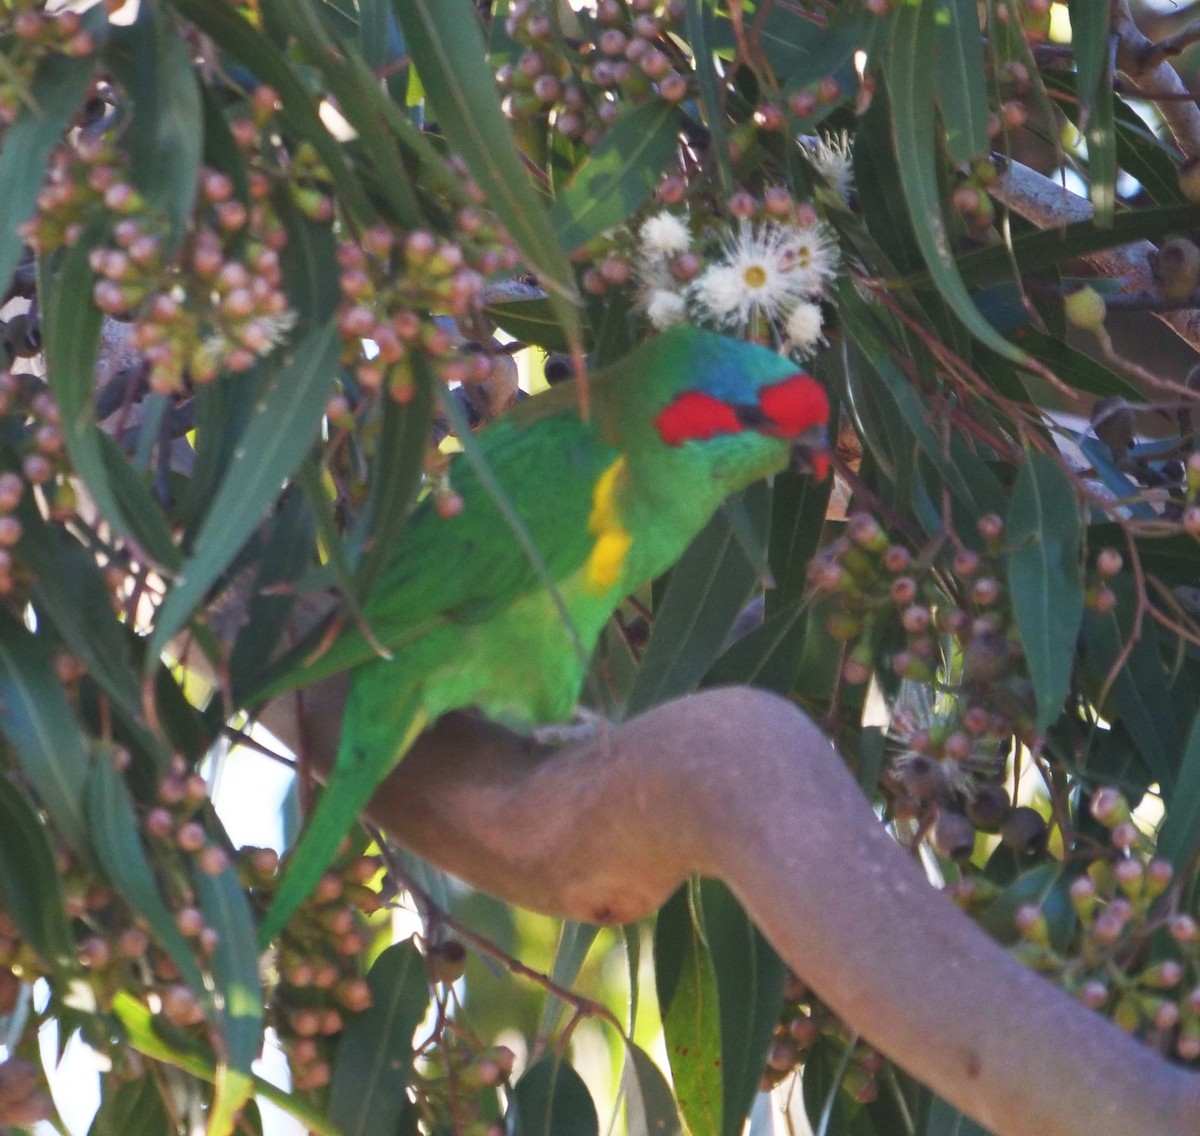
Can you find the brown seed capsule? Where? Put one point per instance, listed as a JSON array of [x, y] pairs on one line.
[[1024, 831], [953, 836], [988, 806], [1176, 268], [447, 961]]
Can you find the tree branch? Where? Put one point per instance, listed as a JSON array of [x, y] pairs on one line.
[[1049, 205], [739, 785]]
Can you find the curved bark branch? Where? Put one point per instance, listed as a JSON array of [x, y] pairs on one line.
[[740, 785]]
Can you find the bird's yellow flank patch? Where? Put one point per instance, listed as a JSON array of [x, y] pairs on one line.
[[603, 567]]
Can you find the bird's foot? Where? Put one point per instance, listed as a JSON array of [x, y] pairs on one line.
[[583, 727]]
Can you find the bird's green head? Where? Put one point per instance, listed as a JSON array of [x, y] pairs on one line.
[[718, 394]]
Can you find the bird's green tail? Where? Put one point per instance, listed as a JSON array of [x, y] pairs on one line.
[[368, 751]]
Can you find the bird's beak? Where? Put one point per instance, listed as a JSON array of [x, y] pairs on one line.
[[810, 453]]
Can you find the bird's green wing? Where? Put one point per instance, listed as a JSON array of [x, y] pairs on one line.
[[465, 569], [468, 566]]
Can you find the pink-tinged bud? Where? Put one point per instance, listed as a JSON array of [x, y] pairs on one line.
[[158, 823], [190, 837], [1183, 929], [189, 921], [181, 1007], [1109, 807], [1125, 836]]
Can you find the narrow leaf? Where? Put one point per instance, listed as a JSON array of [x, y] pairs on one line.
[[688, 1001], [239, 990], [750, 977], [58, 87], [649, 1102], [447, 45], [708, 588], [37, 722], [699, 15], [153, 61], [30, 881], [1140, 695], [244, 42], [910, 79], [131, 1108], [138, 1025], [370, 1081], [551, 1100], [115, 828], [71, 338], [400, 453], [1179, 838], [962, 93], [574, 942], [1045, 577], [1091, 49], [274, 443], [620, 174]]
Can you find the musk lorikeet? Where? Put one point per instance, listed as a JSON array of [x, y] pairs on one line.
[[674, 429]]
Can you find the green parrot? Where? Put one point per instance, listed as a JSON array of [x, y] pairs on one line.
[[674, 428]]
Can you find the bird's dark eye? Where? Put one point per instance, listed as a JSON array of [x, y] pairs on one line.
[[750, 415]]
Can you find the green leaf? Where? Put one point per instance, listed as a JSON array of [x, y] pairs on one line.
[[1045, 576], [58, 87], [1140, 696], [30, 881], [699, 18], [910, 79], [802, 51], [131, 1108], [688, 1001], [1047, 248], [239, 990], [71, 339], [830, 1109], [894, 396], [962, 93], [138, 505], [399, 459], [236, 35], [309, 265], [750, 978], [620, 174], [1101, 137], [708, 588], [370, 1080], [140, 1033], [943, 1119], [359, 98], [153, 62], [289, 550], [1091, 46], [574, 942], [38, 723], [770, 655], [448, 49], [1077, 369], [115, 832], [649, 1103], [530, 321], [276, 440], [798, 508], [551, 1100], [1179, 837]]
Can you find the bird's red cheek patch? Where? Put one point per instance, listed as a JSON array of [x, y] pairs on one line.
[[795, 405], [695, 416]]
